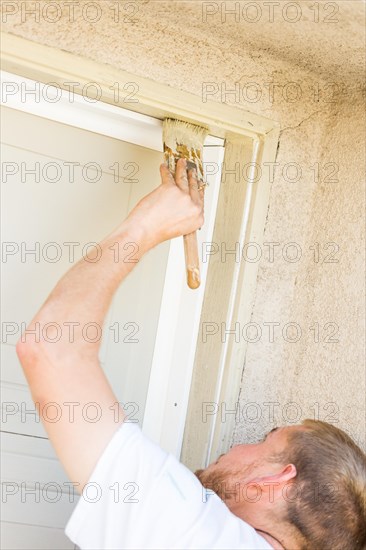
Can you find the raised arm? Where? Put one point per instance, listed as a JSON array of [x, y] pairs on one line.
[[63, 369]]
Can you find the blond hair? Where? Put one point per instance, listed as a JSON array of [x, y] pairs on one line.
[[327, 504]]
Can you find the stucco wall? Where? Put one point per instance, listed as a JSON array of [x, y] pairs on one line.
[[313, 69], [313, 376]]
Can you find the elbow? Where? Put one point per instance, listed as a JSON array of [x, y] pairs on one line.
[[32, 347], [28, 353], [32, 360], [40, 350]]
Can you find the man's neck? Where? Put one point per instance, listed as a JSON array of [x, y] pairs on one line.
[[275, 534], [273, 541]]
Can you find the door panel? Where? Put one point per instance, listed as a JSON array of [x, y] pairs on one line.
[[36, 212], [17, 536], [37, 499]]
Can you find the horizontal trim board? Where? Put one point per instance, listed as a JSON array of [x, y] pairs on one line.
[[51, 65], [52, 103], [47, 101]]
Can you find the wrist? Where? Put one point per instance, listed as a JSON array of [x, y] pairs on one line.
[[133, 232]]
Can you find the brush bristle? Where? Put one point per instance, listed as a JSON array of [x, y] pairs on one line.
[[183, 140], [178, 131]]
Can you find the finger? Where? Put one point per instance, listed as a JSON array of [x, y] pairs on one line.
[[196, 193], [181, 177], [166, 175]]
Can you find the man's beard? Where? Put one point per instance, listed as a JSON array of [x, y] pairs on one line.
[[216, 481], [225, 483]]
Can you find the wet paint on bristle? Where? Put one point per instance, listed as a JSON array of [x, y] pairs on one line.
[[183, 140]]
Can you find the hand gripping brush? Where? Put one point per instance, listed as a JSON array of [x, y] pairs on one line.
[[184, 140]]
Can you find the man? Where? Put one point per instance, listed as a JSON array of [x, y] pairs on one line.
[[303, 487]]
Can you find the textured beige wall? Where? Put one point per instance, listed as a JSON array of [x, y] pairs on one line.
[[307, 378], [172, 42]]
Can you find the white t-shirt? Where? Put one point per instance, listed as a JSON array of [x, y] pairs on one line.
[[139, 496]]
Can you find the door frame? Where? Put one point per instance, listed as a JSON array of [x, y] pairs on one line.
[[249, 138]]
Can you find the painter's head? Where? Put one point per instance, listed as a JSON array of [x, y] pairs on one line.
[[307, 482]]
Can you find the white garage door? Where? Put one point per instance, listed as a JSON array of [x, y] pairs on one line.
[[64, 188]]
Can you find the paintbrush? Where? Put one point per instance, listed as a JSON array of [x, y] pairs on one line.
[[184, 140]]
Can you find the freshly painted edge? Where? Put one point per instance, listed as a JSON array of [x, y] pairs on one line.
[[52, 103], [244, 302], [226, 389], [180, 379]]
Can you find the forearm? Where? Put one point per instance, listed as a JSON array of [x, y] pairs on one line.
[[66, 372], [83, 295]]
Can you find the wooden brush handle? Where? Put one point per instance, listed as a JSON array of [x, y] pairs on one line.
[[192, 260]]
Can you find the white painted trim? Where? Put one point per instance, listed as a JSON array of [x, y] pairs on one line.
[[75, 110], [175, 418], [178, 329], [248, 204], [252, 230]]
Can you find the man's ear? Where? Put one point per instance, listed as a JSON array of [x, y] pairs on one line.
[[284, 476]]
